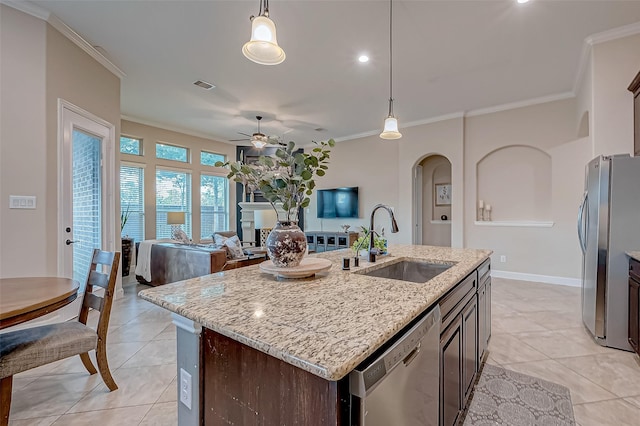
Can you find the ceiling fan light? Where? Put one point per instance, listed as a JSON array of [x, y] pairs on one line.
[[259, 140], [390, 130], [263, 47]]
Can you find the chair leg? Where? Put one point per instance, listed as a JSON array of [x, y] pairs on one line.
[[103, 365], [5, 399], [86, 361]]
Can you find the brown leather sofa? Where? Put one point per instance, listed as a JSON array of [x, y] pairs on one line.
[[172, 262]]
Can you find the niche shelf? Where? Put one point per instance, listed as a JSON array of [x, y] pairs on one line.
[[516, 223]]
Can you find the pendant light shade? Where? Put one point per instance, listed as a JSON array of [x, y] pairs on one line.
[[263, 47], [390, 130]]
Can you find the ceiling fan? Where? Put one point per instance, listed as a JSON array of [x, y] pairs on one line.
[[259, 139]]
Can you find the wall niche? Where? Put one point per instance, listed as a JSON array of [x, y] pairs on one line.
[[516, 181]]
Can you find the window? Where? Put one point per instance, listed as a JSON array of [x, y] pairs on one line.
[[214, 202], [173, 194], [171, 152], [131, 146], [132, 200], [210, 158]]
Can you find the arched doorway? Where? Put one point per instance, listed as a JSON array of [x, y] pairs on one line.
[[432, 200]]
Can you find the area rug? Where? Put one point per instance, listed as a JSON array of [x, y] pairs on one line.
[[504, 397]]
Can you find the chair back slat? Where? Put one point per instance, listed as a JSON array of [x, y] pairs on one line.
[[98, 278], [93, 301], [103, 257], [109, 261]]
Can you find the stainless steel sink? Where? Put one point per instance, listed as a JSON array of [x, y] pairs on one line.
[[409, 270]]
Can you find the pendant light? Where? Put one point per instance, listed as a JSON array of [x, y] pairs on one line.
[[390, 130], [263, 47]]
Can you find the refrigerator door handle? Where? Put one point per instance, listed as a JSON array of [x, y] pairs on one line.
[[581, 223]]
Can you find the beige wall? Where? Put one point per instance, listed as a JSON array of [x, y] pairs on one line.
[[371, 165], [435, 169], [615, 64], [23, 147], [544, 127], [150, 135], [39, 65]]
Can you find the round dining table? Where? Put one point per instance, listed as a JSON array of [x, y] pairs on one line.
[[23, 299]]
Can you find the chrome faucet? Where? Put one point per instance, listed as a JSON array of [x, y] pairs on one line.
[[394, 228]]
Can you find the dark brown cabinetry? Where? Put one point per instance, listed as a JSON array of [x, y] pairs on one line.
[[634, 304], [635, 88], [459, 350], [484, 308]]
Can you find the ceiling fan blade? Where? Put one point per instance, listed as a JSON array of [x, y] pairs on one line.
[[238, 140], [244, 134]]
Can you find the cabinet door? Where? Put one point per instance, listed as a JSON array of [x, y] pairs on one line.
[[469, 345], [482, 320], [451, 373], [488, 309], [634, 314]]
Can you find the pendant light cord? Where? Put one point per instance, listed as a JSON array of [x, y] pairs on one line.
[[390, 58], [264, 8]]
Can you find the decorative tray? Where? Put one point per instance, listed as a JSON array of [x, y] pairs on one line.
[[307, 268]]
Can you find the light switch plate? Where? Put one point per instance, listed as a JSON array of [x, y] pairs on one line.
[[22, 202]]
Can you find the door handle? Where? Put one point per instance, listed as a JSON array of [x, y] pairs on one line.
[[412, 355], [581, 224], [69, 242]]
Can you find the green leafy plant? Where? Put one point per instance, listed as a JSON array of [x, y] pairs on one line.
[[124, 216], [362, 243], [287, 178]]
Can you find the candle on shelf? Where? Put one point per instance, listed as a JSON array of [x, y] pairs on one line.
[[488, 207], [480, 204]]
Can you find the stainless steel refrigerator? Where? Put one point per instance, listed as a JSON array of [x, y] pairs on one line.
[[608, 226]]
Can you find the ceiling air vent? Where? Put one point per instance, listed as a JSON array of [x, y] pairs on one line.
[[204, 84]]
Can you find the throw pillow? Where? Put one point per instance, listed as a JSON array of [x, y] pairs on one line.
[[231, 244]]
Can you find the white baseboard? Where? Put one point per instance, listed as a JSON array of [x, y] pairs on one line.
[[547, 279]]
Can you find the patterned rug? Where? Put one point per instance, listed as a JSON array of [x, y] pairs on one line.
[[504, 397]]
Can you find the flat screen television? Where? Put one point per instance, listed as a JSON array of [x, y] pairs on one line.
[[338, 202]]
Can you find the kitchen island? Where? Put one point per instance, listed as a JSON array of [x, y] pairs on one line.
[[242, 331]]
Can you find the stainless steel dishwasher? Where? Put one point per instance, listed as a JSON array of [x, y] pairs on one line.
[[401, 386]]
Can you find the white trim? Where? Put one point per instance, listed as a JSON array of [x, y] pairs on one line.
[[520, 104], [41, 13], [165, 126], [133, 164], [186, 324], [404, 126], [548, 279], [28, 8], [614, 34], [83, 44], [516, 223], [441, 222]]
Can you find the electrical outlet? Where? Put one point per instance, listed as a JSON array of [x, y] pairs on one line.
[[503, 259], [185, 388]]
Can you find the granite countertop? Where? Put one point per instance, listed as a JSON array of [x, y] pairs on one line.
[[326, 325], [634, 254]]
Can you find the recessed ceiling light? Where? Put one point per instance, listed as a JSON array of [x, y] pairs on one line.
[[204, 84], [523, 1], [363, 58]]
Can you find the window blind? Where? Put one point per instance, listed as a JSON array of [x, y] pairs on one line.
[[132, 200], [173, 194]]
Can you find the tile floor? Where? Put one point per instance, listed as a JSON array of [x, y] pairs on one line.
[[536, 330]]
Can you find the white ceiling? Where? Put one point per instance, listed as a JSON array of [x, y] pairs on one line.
[[449, 57]]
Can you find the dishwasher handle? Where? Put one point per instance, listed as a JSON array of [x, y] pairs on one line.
[[364, 378]]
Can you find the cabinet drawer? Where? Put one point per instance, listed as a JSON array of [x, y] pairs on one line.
[[634, 269], [451, 303], [484, 270]]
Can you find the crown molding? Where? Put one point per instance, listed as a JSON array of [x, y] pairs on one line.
[[520, 104], [173, 129], [41, 13], [28, 8], [404, 126], [83, 44], [614, 34], [590, 41]]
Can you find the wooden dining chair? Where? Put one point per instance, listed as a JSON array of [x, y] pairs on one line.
[[29, 348]]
